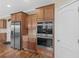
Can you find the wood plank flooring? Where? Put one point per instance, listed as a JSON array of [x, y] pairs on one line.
[[7, 52]]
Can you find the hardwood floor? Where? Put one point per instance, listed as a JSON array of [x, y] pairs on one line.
[[7, 52]]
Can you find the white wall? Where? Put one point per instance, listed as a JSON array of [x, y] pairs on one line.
[[67, 32]]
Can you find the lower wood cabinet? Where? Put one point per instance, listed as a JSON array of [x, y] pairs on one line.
[[25, 42], [3, 37], [28, 43], [32, 45]]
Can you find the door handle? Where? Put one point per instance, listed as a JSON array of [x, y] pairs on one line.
[[58, 40], [78, 41]]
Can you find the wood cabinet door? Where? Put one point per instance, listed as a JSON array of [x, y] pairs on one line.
[[31, 32], [18, 17], [34, 22], [32, 44], [40, 13], [49, 12], [3, 37], [13, 17], [29, 23], [3, 23], [25, 42]]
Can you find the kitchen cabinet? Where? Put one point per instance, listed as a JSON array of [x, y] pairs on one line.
[[21, 16], [45, 12], [32, 45], [34, 22], [40, 13], [32, 32], [17, 16], [25, 42], [29, 23], [32, 25], [3, 37], [13, 17], [3, 23], [49, 12]]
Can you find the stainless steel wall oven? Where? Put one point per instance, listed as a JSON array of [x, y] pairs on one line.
[[45, 33]]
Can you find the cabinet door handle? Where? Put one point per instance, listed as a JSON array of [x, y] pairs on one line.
[[58, 40]]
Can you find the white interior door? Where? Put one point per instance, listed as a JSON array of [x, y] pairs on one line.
[[67, 32]]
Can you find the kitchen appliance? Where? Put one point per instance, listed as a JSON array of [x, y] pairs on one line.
[[44, 42], [44, 27], [45, 33], [16, 35]]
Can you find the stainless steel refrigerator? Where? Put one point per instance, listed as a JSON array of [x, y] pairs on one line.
[[16, 41]]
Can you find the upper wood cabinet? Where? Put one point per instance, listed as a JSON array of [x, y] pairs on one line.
[[49, 12], [3, 23], [34, 22], [40, 13], [21, 16], [45, 12], [13, 17]]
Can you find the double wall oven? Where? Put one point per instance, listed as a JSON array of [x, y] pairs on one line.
[[45, 33]]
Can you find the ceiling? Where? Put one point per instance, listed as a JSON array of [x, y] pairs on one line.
[[11, 6]]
